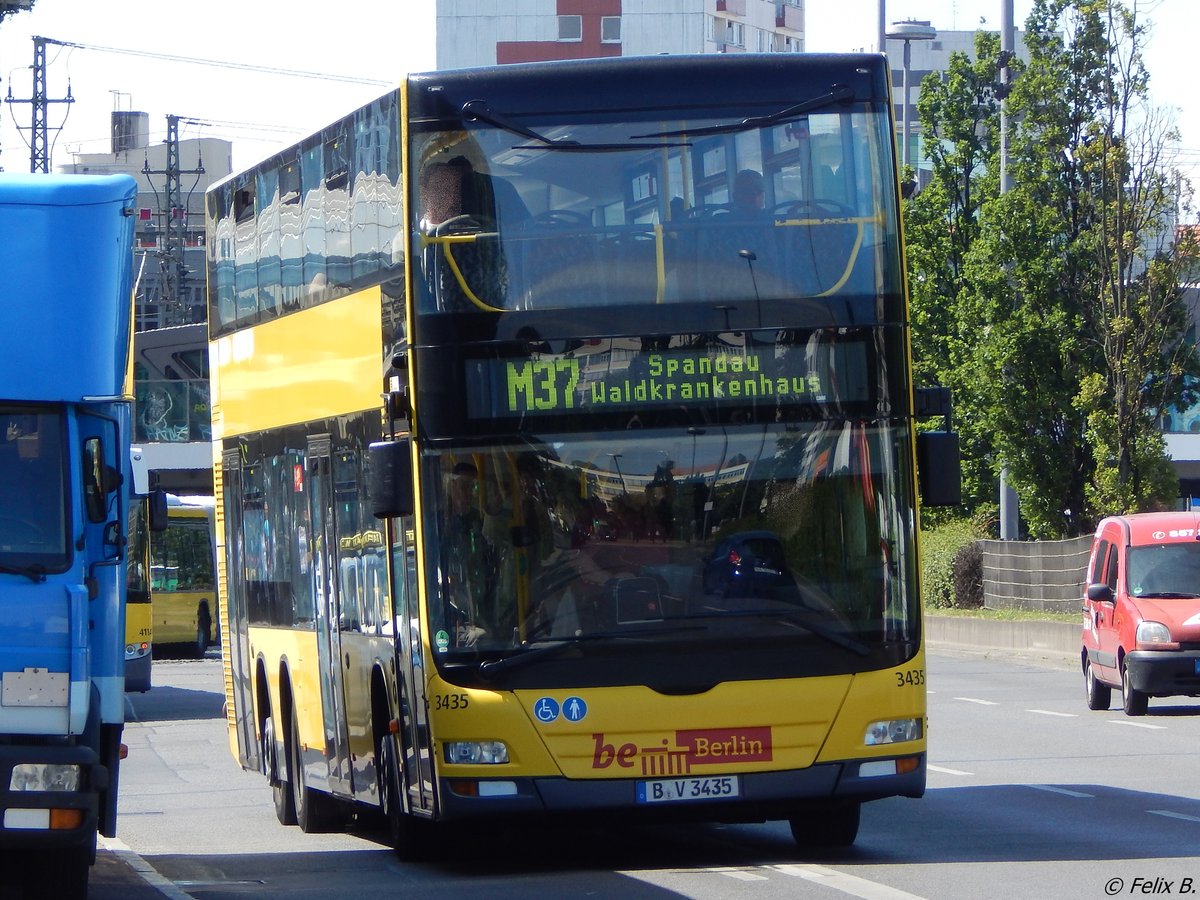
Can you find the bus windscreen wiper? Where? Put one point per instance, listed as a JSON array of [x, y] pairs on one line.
[[35, 573], [828, 635], [839, 94], [491, 667], [478, 111]]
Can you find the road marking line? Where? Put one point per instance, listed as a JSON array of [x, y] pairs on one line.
[[1057, 790], [1136, 724], [980, 702], [945, 771], [847, 884], [739, 874], [161, 883], [1050, 712], [1173, 815]]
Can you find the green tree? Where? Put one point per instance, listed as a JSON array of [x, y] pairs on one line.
[[1061, 325]]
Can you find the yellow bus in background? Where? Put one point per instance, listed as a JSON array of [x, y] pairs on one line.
[[139, 630], [183, 585]]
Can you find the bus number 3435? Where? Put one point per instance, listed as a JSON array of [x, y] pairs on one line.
[[537, 386]]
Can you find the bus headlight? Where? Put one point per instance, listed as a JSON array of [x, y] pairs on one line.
[[44, 777], [892, 731], [474, 753]]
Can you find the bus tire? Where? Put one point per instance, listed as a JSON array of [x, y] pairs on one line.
[[316, 812], [279, 777], [203, 631], [408, 836], [829, 824]]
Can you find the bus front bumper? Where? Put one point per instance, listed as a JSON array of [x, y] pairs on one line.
[[760, 795]]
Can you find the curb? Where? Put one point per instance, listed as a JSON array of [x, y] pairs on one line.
[[1057, 642]]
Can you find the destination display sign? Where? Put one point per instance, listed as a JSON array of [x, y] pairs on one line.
[[549, 384]]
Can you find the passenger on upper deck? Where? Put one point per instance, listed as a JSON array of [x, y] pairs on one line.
[[749, 194]]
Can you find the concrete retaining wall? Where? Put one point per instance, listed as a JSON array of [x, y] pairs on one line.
[[1055, 641], [1036, 575]]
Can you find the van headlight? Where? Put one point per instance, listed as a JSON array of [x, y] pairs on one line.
[[1155, 634]]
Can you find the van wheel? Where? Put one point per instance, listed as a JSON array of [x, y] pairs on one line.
[[1134, 701], [1099, 695]]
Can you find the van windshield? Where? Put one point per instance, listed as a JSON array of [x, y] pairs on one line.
[[1165, 570]]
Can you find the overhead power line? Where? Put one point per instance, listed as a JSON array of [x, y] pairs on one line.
[[224, 64]]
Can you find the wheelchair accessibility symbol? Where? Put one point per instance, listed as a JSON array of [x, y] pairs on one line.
[[546, 709]]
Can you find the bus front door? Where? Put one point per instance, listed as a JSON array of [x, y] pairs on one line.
[[418, 767], [329, 649], [237, 654]]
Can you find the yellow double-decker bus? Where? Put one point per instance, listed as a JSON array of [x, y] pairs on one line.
[[183, 583], [632, 529]]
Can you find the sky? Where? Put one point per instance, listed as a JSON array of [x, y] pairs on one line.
[[360, 48]]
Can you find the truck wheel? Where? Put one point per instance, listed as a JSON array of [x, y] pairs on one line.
[[61, 874], [1099, 695]]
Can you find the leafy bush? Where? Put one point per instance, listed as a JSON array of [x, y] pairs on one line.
[[967, 576], [939, 547]]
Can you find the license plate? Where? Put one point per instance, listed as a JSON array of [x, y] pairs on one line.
[[675, 790]]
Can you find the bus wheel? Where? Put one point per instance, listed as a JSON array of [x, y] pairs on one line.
[[203, 631], [409, 837], [316, 812], [832, 824], [281, 789]]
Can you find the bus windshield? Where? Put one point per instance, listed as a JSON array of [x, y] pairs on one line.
[[786, 539], [33, 494], [656, 207]]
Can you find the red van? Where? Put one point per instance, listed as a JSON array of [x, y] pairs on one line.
[[1141, 610]]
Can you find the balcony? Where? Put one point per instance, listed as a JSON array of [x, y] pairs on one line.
[[733, 7], [789, 17]]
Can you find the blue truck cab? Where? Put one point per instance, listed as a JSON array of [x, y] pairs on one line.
[[67, 491]]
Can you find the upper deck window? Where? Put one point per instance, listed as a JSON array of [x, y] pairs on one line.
[[583, 210]]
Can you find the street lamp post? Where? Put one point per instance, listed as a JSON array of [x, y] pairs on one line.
[[908, 32]]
